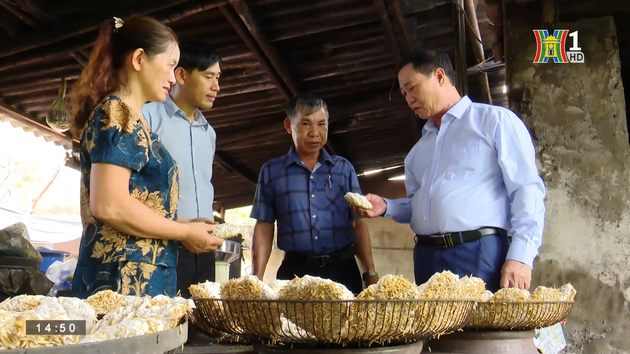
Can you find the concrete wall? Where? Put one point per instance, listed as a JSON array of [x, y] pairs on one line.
[[577, 116]]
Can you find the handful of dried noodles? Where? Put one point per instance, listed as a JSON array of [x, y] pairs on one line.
[[260, 318], [326, 321], [386, 320], [358, 200], [227, 231]]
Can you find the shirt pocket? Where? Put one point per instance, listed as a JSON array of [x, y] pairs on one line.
[[335, 198], [466, 160]]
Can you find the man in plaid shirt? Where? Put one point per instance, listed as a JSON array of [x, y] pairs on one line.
[[304, 192]]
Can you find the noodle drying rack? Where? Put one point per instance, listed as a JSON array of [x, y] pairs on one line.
[[332, 323]]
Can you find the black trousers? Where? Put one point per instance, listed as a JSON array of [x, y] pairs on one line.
[[345, 272], [193, 269]]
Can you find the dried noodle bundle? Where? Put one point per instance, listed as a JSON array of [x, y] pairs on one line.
[[510, 295], [567, 292], [546, 304], [227, 231], [324, 321], [140, 316], [206, 290], [444, 285], [384, 321], [473, 288], [22, 303], [358, 200], [13, 326], [105, 301], [436, 316], [278, 284], [260, 318], [543, 293]]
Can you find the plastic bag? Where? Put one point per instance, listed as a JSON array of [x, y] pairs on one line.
[[25, 281], [14, 242], [60, 273]]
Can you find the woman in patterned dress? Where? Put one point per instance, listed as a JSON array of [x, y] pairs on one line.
[[129, 181]]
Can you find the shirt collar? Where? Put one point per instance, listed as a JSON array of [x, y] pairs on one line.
[[172, 110], [292, 157], [457, 111]]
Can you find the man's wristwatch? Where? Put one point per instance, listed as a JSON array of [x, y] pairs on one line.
[[370, 273]]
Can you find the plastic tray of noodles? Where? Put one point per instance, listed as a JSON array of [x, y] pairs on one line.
[[515, 309], [119, 309], [166, 342], [316, 312]]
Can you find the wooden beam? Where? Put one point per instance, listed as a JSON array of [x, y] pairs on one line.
[[75, 28], [477, 46], [459, 22], [388, 27], [270, 52], [33, 22], [8, 22], [251, 44], [494, 11], [389, 30], [485, 67], [250, 32], [399, 20], [231, 167], [24, 119], [17, 12]]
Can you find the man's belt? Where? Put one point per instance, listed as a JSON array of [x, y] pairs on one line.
[[453, 239], [320, 260]]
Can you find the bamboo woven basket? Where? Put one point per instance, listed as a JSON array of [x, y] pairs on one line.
[[518, 315]]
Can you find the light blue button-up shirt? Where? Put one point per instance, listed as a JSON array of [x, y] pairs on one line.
[[193, 147], [479, 169]]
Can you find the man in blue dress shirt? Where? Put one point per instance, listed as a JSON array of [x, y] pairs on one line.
[[474, 196], [191, 141], [304, 192]]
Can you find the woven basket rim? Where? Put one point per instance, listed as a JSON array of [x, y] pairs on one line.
[[375, 301]]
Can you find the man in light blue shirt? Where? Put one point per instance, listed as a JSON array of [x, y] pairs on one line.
[[191, 141], [474, 196]]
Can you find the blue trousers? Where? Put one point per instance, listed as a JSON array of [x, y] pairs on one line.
[[483, 259]]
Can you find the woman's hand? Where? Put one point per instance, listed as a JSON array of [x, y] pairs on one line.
[[199, 239]]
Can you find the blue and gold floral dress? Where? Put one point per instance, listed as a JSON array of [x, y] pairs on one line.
[[108, 259]]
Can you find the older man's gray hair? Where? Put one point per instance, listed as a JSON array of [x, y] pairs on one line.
[[306, 104]]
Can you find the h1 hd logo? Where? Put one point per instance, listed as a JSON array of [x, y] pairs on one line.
[[555, 47]]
